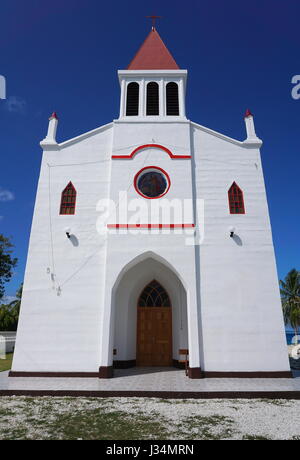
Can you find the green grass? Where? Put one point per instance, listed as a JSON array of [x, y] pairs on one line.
[[131, 419], [72, 418], [39, 418], [96, 425], [5, 364]]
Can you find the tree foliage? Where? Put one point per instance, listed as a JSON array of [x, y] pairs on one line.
[[9, 314], [7, 262], [290, 297]]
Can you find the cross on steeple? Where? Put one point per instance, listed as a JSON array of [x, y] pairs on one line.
[[154, 18]]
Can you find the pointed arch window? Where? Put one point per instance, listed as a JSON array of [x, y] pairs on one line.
[[154, 295], [172, 99], [68, 200], [236, 200], [132, 100], [152, 99]]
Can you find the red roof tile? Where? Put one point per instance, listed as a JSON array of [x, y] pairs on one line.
[[153, 55]]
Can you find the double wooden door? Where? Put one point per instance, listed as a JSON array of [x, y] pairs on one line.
[[154, 327]]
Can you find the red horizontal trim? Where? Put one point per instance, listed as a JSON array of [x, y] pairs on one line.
[[150, 225], [152, 146]]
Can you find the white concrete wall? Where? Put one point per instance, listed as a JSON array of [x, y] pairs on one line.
[[61, 332], [242, 321], [232, 300], [175, 137], [125, 247]]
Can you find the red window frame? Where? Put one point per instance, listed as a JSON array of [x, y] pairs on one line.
[[236, 200], [68, 200]]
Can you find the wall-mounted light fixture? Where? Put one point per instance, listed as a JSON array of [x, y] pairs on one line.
[[232, 231], [68, 232]]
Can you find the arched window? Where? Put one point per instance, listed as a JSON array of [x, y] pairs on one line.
[[68, 200], [172, 99], [236, 200], [132, 101], [154, 295], [152, 99]]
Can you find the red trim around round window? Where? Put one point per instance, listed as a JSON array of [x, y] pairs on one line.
[[152, 168]]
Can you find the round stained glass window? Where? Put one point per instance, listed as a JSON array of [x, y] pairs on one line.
[[152, 182]]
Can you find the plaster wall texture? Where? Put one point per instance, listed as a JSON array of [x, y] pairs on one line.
[[64, 279], [80, 294], [241, 311]]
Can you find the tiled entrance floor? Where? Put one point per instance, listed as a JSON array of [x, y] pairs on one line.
[[137, 380]]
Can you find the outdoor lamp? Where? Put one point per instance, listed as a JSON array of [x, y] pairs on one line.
[[232, 231], [68, 232]]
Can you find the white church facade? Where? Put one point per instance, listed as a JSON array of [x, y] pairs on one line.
[[151, 236]]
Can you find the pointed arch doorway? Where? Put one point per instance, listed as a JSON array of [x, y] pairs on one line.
[[154, 327]]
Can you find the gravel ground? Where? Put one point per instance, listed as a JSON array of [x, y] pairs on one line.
[[147, 418]]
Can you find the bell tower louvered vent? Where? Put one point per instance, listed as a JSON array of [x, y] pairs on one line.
[[132, 101], [152, 99], [153, 85], [172, 99]]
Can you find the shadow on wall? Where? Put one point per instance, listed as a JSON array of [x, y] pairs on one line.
[[74, 240], [237, 240]]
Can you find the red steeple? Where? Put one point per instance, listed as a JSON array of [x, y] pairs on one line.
[[153, 55]]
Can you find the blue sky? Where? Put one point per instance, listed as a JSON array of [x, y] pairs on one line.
[[64, 55]]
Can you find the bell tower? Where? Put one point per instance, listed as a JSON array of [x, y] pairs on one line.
[[153, 86]]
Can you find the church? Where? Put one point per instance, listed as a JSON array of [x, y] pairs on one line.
[[151, 244]]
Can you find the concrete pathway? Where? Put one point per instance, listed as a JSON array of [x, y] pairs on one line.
[[138, 381]]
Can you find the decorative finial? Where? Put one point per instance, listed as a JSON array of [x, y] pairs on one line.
[[54, 115], [49, 143], [252, 139], [248, 114], [154, 18]]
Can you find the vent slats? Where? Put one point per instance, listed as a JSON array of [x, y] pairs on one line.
[[132, 103], [172, 99], [152, 99]]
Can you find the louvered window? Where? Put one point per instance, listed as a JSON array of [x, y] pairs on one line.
[[132, 102], [152, 99], [172, 99]]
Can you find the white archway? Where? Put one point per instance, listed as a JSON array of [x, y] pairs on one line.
[[127, 288]]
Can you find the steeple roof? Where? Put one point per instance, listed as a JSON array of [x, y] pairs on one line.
[[153, 55]]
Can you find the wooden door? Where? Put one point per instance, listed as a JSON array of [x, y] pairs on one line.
[[154, 327]]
